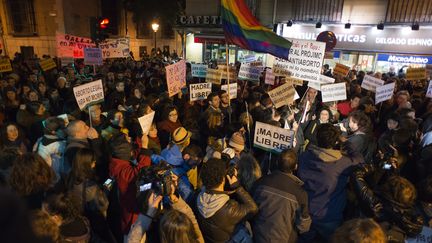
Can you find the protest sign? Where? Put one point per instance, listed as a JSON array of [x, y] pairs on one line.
[[425, 236], [429, 90], [333, 92], [282, 95], [269, 77], [232, 72], [248, 72], [272, 138], [294, 81], [384, 92], [115, 48], [370, 83], [176, 77], [146, 122], [72, 46], [47, 64], [89, 93], [341, 69], [257, 64], [304, 61], [92, 56], [200, 91], [416, 73], [323, 80], [249, 58], [5, 65], [232, 90], [199, 70], [65, 61], [213, 76]]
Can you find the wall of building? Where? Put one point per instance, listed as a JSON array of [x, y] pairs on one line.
[[364, 12]]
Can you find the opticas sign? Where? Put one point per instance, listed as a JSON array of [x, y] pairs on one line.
[[405, 59], [360, 38]]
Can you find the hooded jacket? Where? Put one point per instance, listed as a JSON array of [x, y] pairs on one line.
[[51, 148], [325, 173], [218, 215]]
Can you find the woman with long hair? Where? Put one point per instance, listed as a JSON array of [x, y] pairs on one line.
[[168, 125], [175, 226], [12, 136]]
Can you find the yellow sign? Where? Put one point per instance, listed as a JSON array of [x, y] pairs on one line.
[[294, 81], [47, 64], [5, 65], [214, 76], [341, 69], [416, 73]]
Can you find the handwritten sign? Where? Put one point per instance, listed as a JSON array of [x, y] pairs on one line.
[[271, 138], [384, 92], [232, 72], [146, 122], [176, 77], [269, 77], [65, 61], [323, 80], [333, 92], [47, 64], [72, 46], [5, 65], [341, 69], [213, 76], [416, 73], [200, 91], [115, 48], [370, 83], [199, 70], [92, 56], [282, 95], [294, 81], [232, 90], [429, 90], [89, 93], [248, 72]]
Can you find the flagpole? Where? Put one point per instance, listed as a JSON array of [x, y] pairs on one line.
[[228, 81]]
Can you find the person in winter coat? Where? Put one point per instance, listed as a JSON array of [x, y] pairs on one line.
[[124, 167], [11, 136], [221, 217], [283, 203], [392, 205], [170, 122], [325, 172], [324, 116]]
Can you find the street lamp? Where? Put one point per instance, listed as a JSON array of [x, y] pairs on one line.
[[155, 27]]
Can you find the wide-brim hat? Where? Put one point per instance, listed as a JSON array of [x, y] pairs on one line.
[[180, 135]]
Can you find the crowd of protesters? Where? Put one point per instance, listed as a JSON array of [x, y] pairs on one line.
[[357, 172]]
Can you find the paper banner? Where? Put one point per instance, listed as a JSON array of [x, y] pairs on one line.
[[146, 122], [72, 46], [115, 48], [333, 92], [176, 77]]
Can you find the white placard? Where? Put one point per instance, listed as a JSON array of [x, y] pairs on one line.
[[429, 90], [199, 70], [272, 138], [384, 92], [248, 72], [115, 48], [322, 81], [370, 83], [425, 236], [146, 122], [200, 91], [333, 92], [304, 61], [232, 90], [282, 95], [269, 77], [92, 56], [249, 58], [89, 93]]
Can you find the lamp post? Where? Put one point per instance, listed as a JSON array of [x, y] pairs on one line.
[[155, 27]]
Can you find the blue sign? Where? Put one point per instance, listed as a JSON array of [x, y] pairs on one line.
[[405, 59]]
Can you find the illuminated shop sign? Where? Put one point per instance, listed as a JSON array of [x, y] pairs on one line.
[[405, 59], [199, 20]]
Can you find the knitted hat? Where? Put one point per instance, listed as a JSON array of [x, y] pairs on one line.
[[237, 141], [180, 135]]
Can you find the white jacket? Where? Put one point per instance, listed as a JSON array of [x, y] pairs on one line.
[[51, 149]]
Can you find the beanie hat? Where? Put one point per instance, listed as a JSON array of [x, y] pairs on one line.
[[237, 141], [180, 135]]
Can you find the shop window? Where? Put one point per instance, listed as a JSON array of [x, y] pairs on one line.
[[318, 10], [21, 17], [401, 11]]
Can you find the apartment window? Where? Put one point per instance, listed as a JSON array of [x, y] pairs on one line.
[[21, 17], [167, 31], [401, 11]]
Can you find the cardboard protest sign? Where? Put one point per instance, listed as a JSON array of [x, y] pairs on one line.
[[199, 70], [176, 77], [232, 90], [213, 76], [89, 93], [425, 236], [72, 46], [294, 81], [65, 61], [333, 92], [384, 92], [5, 65], [304, 61], [416, 73], [429, 90], [146, 122], [232, 72], [370, 83], [92, 56], [269, 77], [200, 91], [257, 64], [272, 138], [247, 72], [115, 48], [341, 69], [282, 95], [323, 80], [47, 64]]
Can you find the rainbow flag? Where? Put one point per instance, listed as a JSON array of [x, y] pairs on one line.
[[243, 29]]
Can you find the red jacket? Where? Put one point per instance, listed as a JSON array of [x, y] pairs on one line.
[[125, 175]]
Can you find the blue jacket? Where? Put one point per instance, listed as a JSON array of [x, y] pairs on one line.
[[325, 173]]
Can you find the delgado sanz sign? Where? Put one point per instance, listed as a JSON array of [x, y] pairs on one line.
[[361, 38]]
